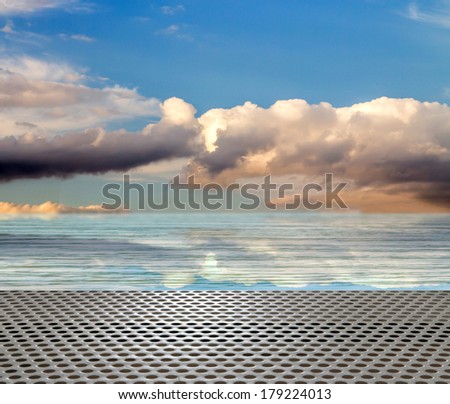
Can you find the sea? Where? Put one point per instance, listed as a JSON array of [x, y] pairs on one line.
[[225, 251]]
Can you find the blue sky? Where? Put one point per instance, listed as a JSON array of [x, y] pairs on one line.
[[222, 53], [73, 65]]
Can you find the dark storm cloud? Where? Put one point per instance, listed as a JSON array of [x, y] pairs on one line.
[[92, 152]]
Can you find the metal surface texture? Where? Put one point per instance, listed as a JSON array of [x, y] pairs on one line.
[[224, 337]]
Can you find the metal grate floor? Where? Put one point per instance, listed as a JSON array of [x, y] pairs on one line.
[[224, 337]]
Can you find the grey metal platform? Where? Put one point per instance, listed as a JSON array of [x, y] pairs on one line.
[[224, 337]]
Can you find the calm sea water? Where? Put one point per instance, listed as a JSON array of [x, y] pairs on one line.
[[225, 251]]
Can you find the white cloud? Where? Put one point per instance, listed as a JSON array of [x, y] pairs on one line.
[[170, 30], [172, 10], [82, 38], [53, 97], [77, 37], [36, 69], [21, 36], [175, 31], [438, 15], [19, 7], [13, 7], [8, 28]]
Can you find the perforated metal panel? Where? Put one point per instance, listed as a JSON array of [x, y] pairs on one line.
[[220, 336]]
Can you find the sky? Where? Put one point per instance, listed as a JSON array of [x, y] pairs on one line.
[[156, 86]]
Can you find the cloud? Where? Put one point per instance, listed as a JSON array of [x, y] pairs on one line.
[[19, 7], [36, 69], [170, 30], [77, 37], [175, 31], [396, 150], [8, 28], [98, 151], [400, 143], [54, 97], [46, 208], [13, 7], [21, 36], [172, 10], [438, 15], [82, 38]]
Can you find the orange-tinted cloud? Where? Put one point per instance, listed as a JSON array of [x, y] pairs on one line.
[[46, 208], [400, 144]]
